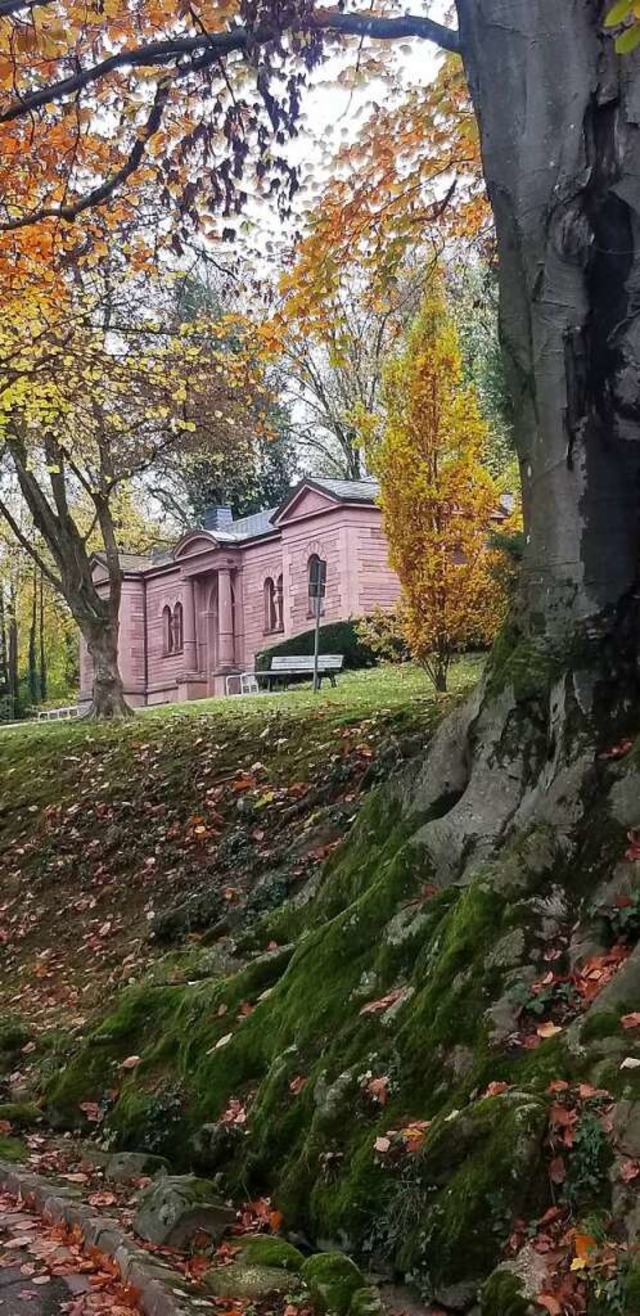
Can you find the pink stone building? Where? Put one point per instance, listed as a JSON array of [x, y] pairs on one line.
[[232, 588]]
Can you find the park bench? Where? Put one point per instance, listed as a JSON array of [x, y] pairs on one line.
[[301, 665], [282, 670]]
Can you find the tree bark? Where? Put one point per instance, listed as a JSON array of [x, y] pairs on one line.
[[43, 655], [559, 118], [32, 677], [108, 699]]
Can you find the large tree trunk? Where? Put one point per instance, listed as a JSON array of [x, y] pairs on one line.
[[560, 135], [108, 699]]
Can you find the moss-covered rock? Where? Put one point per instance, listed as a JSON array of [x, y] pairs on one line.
[[121, 1166], [503, 1295], [332, 1280], [242, 1279], [366, 1302], [267, 1250], [175, 1207]]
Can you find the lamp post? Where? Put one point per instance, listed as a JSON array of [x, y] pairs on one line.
[[318, 584]]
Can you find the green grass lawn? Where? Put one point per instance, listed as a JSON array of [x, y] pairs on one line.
[[356, 694]]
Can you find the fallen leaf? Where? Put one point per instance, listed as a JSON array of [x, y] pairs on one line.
[[629, 1170], [382, 1145], [495, 1089], [131, 1062], [548, 1029], [550, 1304], [376, 1007], [631, 1020]]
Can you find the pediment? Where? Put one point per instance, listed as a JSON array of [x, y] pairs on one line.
[[307, 500], [194, 542]]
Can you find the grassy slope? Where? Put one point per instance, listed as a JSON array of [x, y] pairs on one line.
[[102, 828]]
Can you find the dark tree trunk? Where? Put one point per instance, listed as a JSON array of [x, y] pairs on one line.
[[12, 652], [32, 678], [42, 653], [108, 696], [560, 135], [4, 666]]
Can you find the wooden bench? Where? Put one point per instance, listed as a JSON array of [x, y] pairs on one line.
[[302, 665]]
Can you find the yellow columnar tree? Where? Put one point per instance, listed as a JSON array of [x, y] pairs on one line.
[[436, 497]]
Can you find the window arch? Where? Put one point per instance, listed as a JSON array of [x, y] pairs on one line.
[[167, 630], [280, 603], [178, 629], [313, 566], [270, 617]]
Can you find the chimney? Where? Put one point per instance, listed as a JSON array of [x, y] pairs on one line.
[[217, 518]]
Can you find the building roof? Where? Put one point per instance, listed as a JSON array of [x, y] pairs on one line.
[[256, 525], [348, 491]]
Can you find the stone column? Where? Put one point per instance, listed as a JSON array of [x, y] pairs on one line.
[[226, 646], [190, 642]]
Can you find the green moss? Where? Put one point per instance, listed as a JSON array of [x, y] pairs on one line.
[[265, 1250], [12, 1149], [332, 1280], [502, 1296], [21, 1114], [482, 1170], [631, 1292], [14, 1034]]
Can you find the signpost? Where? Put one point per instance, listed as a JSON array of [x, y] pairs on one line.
[[317, 588]]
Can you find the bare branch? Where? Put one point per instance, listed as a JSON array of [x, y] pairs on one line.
[[219, 44]]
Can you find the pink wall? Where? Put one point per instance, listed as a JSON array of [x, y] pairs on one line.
[[348, 537]]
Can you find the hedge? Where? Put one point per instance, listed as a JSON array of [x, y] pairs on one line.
[[335, 637]]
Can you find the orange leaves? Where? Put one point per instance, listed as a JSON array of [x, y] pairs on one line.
[[436, 497], [384, 1002]]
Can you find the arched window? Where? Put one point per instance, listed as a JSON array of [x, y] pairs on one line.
[[167, 630], [269, 606], [279, 604], [314, 566], [178, 629]]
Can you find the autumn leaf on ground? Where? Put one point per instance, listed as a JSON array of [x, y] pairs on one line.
[[631, 1020], [495, 1089], [548, 1029], [629, 1170], [382, 1145], [297, 1084], [377, 1007], [378, 1088], [131, 1062], [617, 751], [633, 850]]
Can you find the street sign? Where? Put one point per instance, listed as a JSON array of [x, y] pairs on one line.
[[317, 578]]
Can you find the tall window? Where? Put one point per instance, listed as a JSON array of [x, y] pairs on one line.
[[270, 618], [178, 629], [167, 630], [313, 567], [279, 604]]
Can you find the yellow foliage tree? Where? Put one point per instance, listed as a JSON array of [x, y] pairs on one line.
[[436, 497]]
